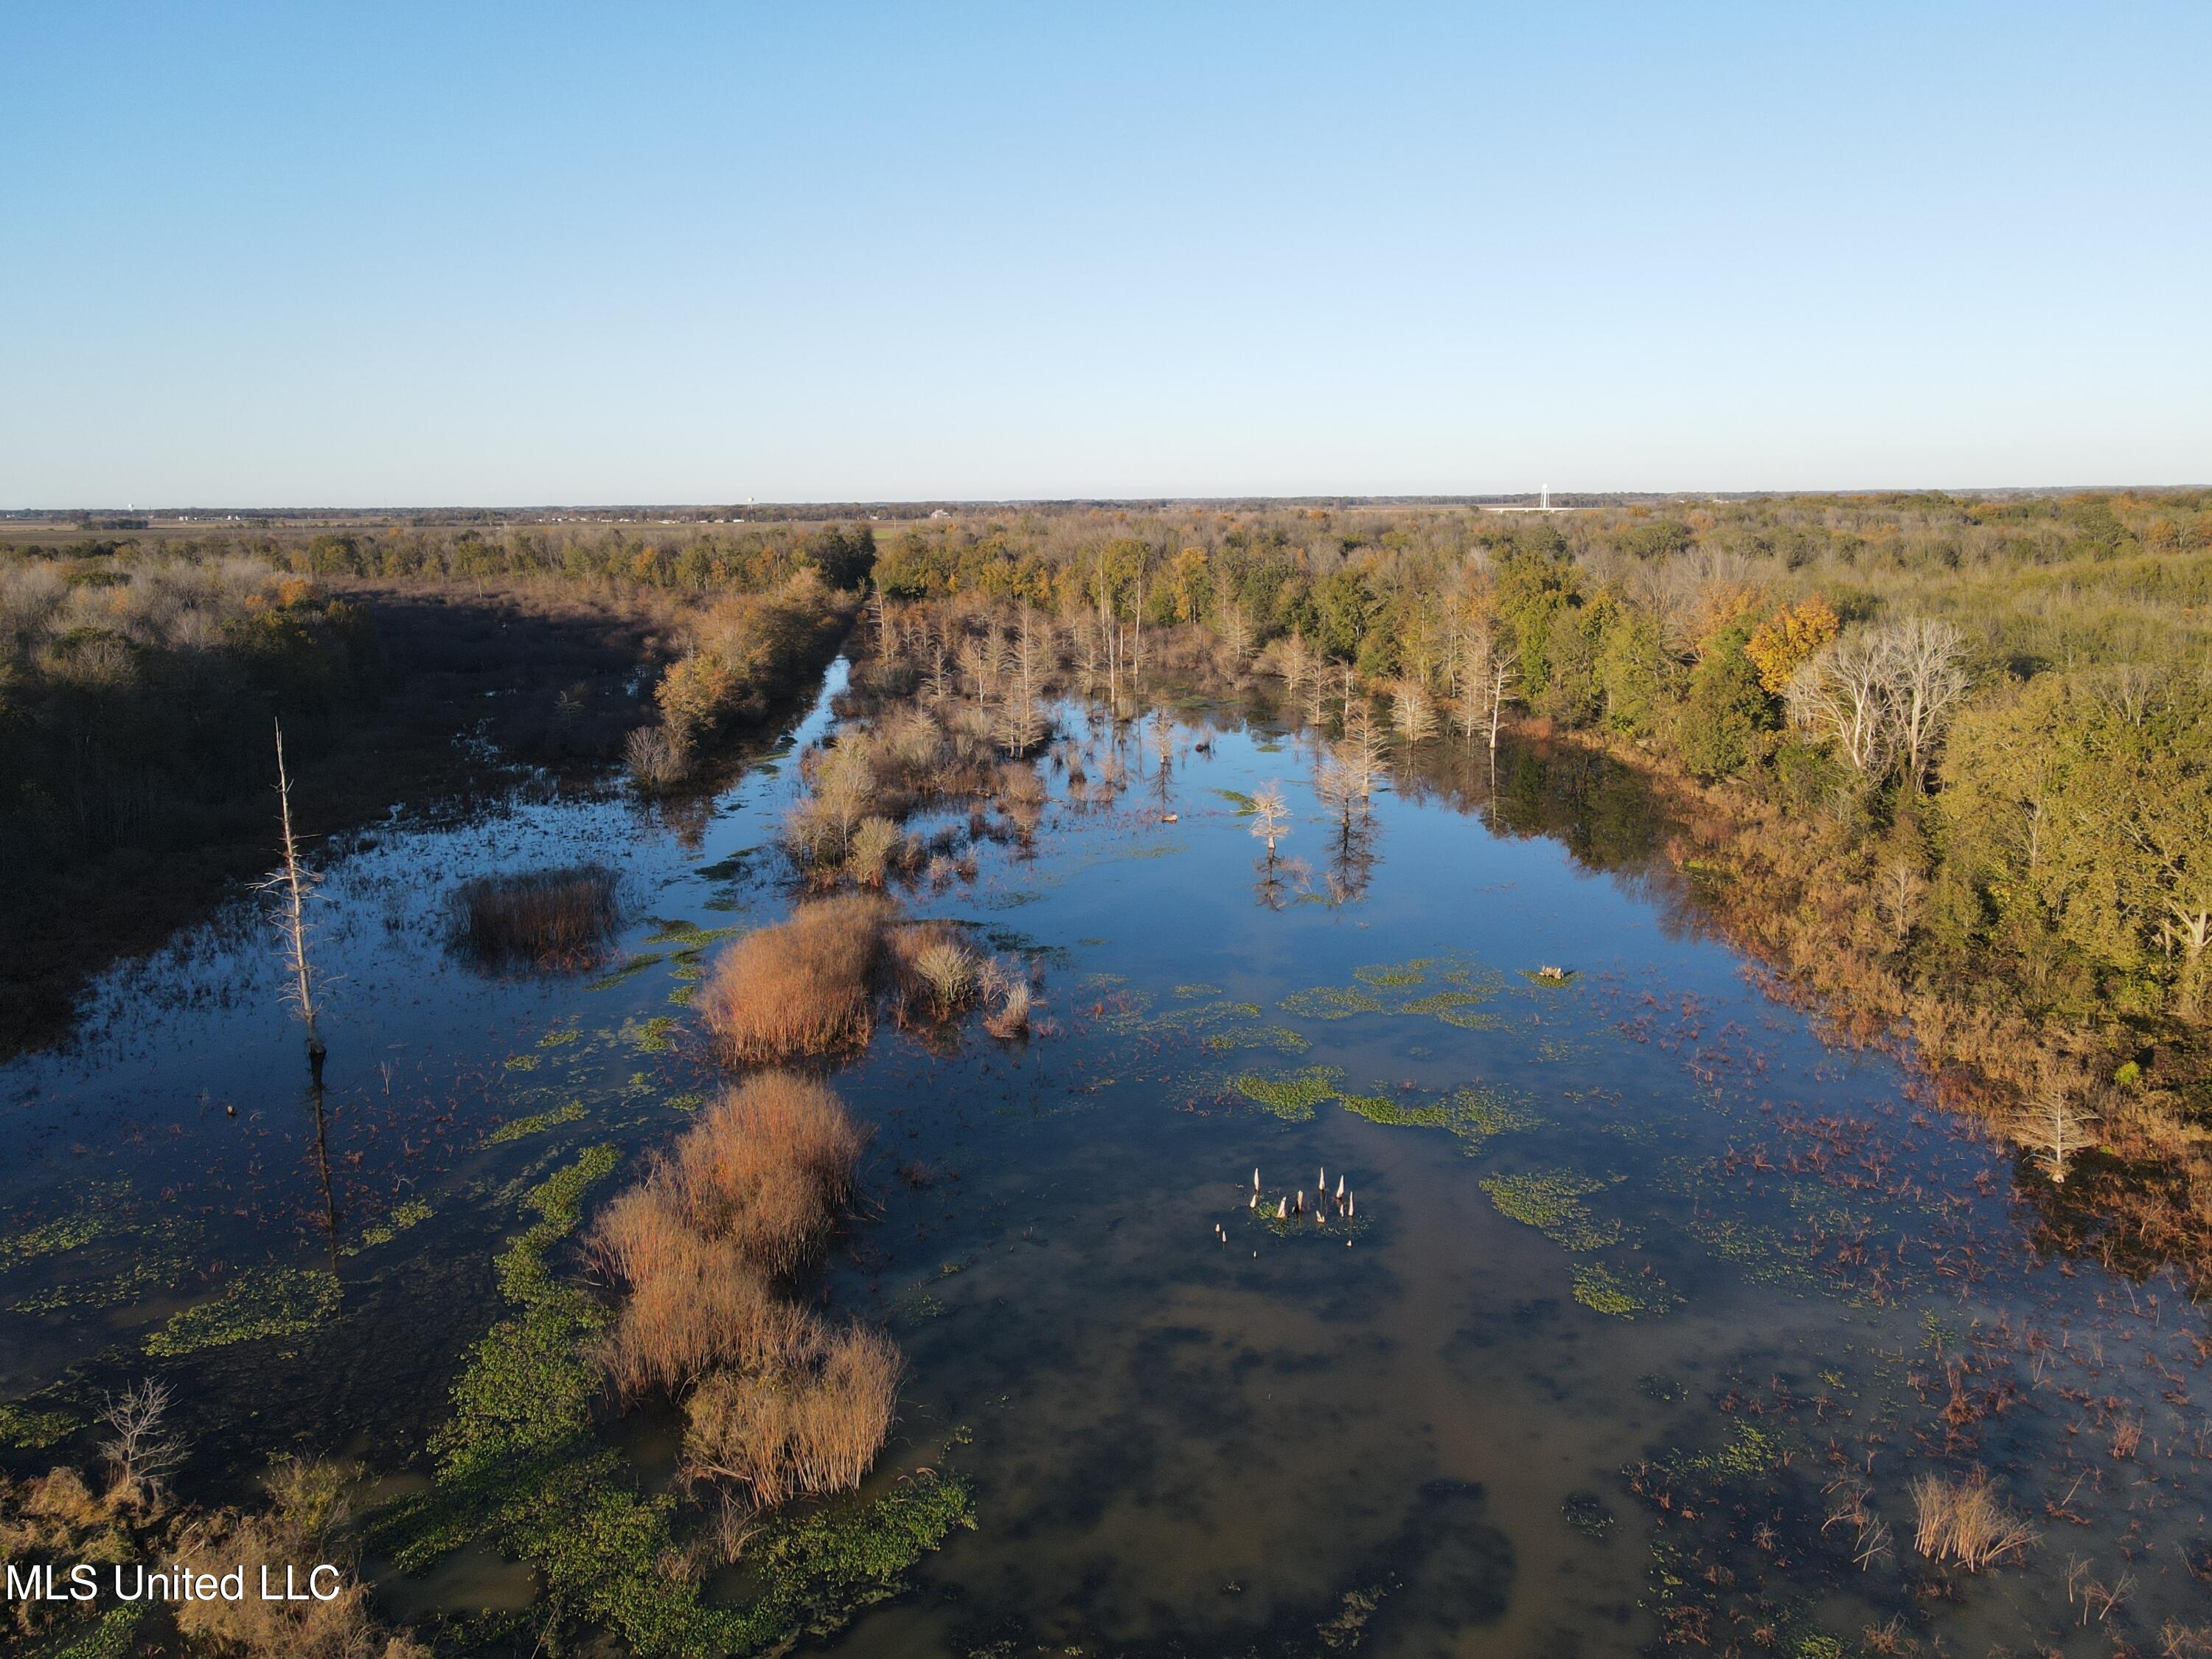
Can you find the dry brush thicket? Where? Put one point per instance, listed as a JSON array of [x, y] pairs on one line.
[[779, 1401]]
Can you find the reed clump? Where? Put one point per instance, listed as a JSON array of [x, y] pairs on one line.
[[778, 1402], [556, 920], [810, 1425], [1966, 1522], [806, 985]]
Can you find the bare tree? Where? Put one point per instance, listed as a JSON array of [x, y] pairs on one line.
[[293, 886], [1412, 710], [1900, 895], [1498, 688], [1361, 753], [1842, 692], [2053, 1122], [1926, 674], [138, 1449], [1270, 816]]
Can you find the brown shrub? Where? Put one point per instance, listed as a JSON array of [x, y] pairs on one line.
[[800, 1430], [766, 1169], [301, 1532], [701, 1306], [804, 987], [559, 920]]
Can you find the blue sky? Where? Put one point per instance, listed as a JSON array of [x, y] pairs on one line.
[[373, 254]]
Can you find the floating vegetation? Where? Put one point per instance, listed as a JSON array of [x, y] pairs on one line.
[[1552, 1204], [142, 1278], [1292, 1098], [69, 1233], [260, 1302], [1392, 974], [1281, 1038], [1550, 975], [530, 1126], [559, 1037], [652, 1037], [1597, 1287], [629, 970], [412, 1214], [689, 934], [522, 1063], [1200, 990], [1588, 1514], [1382, 1109], [1665, 1389], [1330, 1002], [34, 1430], [685, 1102]]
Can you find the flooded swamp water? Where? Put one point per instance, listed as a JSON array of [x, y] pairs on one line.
[[1646, 1311]]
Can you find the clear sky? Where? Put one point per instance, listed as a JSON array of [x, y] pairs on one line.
[[380, 253]]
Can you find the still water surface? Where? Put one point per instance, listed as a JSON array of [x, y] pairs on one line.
[[1639, 1276]]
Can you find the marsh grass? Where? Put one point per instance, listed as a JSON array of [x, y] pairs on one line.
[[546, 920], [806, 985], [810, 1425], [779, 1403], [1966, 1522]]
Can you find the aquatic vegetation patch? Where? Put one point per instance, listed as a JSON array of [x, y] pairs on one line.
[[412, 1214], [1280, 1038], [1390, 976], [629, 970], [559, 1037], [1330, 1002], [520, 1126], [1597, 1288], [1552, 1204], [69, 1233], [258, 1303], [1588, 1514], [1292, 1098], [1382, 1109], [689, 934], [136, 1283], [1200, 990], [22, 1430], [652, 1037], [522, 1063], [685, 1102]]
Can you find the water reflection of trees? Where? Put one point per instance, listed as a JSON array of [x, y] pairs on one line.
[[1602, 811]]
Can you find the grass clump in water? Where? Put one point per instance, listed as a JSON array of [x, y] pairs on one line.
[[261, 1302], [804, 987], [1292, 1098], [653, 1036], [520, 1126], [556, 921]]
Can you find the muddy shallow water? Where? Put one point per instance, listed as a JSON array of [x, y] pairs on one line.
[[1649, 1308]]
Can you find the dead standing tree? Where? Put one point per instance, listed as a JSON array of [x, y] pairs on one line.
[[293, 885]]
